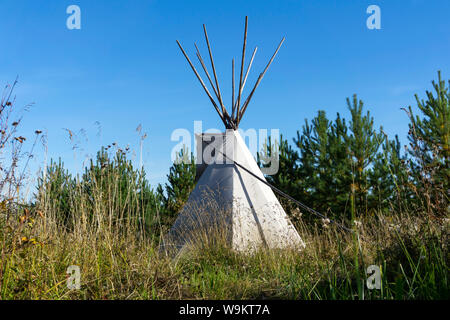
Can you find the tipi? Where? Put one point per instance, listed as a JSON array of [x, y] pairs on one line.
[[230, 196]]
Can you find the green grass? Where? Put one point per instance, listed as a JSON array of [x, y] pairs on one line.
[[107, 231], [119, 264]]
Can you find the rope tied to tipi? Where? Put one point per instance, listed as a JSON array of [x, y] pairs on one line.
[[287, 196]]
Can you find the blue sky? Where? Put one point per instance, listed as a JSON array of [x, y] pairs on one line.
[[123, 68]]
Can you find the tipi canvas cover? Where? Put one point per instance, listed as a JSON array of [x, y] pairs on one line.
[[229, 200]]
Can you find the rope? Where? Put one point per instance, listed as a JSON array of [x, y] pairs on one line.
[[304, 206]]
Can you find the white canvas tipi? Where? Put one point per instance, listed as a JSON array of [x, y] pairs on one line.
[[230, 197]]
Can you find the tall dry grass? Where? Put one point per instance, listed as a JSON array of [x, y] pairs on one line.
[[120, 260]]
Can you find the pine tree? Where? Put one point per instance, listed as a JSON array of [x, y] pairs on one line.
[[315, 161], [340, 165], [389, 179], [123, 188], [324, 164], [181, 181], [429, 148], [363, 143], [287, 177], [56, 187]]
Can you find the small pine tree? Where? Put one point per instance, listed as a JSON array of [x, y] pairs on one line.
[[324, 166], [429, 136], [315, 160], [389, 180], [340, 164], [363, 144], [181, 181], [286, 178], [114, 183], [55, 187]]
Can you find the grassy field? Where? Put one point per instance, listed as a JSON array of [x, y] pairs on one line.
[[119, 261], [107, 222]]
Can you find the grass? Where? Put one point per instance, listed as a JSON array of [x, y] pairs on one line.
[[123, 263], [105, 228]]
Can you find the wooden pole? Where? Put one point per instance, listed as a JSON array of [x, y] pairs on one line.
[[213, 68], [206, 70], [247, 72], [248, 68], [242, 71], [219, 97], [203, 84], [245, 105], [232, 88]]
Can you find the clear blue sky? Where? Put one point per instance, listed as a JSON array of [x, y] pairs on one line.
[[123, 68]]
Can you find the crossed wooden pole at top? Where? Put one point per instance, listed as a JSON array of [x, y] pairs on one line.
[[237, 109]]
